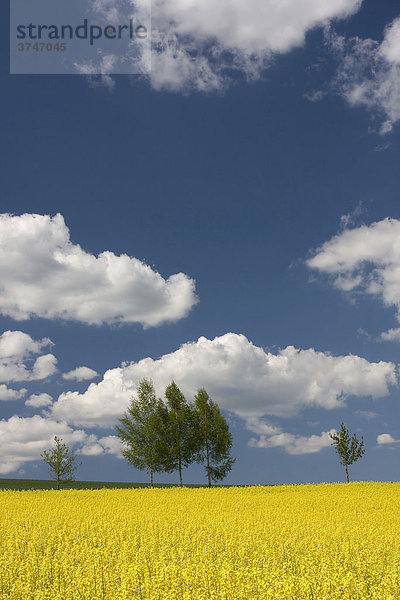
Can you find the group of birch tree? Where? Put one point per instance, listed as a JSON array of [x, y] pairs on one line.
[[167, 436]]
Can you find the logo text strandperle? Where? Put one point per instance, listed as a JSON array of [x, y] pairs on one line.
[[81, 32]]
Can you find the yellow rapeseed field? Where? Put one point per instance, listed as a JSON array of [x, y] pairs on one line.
[[336, 542]]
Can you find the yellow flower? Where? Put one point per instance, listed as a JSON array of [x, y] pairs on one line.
[[320, 542]]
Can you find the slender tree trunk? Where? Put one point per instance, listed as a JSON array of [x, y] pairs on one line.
[[347, 473], [180, 471], [208, 466], [58, 481], [151, 477]]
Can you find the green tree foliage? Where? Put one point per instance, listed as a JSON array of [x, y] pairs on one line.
[[141, 431], [61, 462], [181, 436], [348, 449], [215, 438]]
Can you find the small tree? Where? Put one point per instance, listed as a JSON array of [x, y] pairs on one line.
[[181, 435], [61, 462], [216, 440], [141, 431], [348, 449]]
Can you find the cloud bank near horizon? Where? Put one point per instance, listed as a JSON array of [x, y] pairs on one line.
[[241, 377]]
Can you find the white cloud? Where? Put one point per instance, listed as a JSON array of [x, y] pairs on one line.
[[254, 26], [393, 335], [369, 73], [201, 45], [294, 444], [106, 445], [390, 47], [111, 445], [24, 439], [44, 274], [257, 425], [19, 344], [200, 41], [38, 400], [240, 376], [9, 394], [92, 448], [386, 438], [81, 374], [17, 362], [365, 259], [110, 398], [271, 436], [44, 366]]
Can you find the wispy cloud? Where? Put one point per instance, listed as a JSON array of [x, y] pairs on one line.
[[367, 414], [368, 73]]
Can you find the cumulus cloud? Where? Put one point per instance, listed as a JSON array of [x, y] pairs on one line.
[[80, 374], [10, 394], [17, 362], [203, 45], [240, 376], [369, 73], [44, 366], [38, 400], [24, 439], [42, 273], [105, 445], [19, 344], [386, 438], [365, 259]]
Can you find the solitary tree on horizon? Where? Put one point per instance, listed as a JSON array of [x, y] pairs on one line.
[[348, 449], [61, 462], [215, 438]]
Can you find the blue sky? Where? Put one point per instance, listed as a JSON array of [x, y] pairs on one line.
[[238, 232]]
